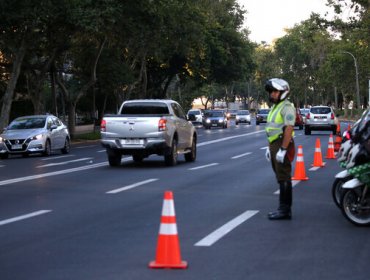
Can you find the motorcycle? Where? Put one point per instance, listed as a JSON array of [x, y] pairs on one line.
[[343, 176], [348, 139], [355, 193], [355, 198]]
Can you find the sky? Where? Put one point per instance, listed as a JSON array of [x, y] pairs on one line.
[[266, 19]]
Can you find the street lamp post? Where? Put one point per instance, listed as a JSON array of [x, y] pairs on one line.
[[357, 84]]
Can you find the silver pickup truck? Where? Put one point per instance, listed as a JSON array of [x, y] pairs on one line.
[[148, 126]]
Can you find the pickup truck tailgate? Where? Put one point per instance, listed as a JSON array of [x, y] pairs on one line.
[[132, 127]]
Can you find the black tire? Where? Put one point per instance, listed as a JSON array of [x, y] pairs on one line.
[[137, 158], [300, 127], [170, 159], [47, 150], [257, 123], [337, 190], [114, 158], [4, 156], [189, 157], [356, 211], [67, 147], [307, 130]]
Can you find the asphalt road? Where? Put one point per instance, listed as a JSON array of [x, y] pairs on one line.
[[74, 217]]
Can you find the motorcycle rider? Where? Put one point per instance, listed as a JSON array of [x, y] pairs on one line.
[[281, 150]]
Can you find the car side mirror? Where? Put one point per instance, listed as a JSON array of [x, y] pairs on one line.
[[54, 126]]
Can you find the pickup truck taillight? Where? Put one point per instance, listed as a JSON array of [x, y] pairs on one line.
[[162, 124], [308, 116], [103, 125]]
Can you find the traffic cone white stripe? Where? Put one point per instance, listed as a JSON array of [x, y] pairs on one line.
[[168, 208], [299, 158], [168, 229], [318, 150]]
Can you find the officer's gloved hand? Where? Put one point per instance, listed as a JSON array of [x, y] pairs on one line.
[[280, 155], [268, 155]]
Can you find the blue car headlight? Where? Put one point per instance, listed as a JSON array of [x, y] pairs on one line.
[[208, 120]]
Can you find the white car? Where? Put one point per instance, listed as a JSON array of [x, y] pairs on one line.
[[242, 116], [34, 134], [196, 116], [320, 118]]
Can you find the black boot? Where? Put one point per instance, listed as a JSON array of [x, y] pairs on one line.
[[285, 202]]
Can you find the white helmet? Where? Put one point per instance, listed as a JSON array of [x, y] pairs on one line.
[[280, 85]]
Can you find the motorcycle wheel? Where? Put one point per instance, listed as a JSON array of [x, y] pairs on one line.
[[355, 210], [337, 190]]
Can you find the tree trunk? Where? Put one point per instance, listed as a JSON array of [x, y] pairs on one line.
[[9, 92]]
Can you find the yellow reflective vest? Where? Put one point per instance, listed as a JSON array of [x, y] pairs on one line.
[[275, 121]]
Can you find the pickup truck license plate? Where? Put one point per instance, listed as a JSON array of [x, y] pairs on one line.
[[133, 141]]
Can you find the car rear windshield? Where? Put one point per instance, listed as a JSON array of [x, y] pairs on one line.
[[263, 111], [243, 112], [321, 110], [145, 108], [215, 114], [194, 113], [27, 123]]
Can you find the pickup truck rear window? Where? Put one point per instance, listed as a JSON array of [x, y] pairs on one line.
[[144, 108]]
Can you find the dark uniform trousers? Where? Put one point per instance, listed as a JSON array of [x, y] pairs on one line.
[[283, 172]]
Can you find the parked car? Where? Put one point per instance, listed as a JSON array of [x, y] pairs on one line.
[[320, 118], [34, 134], [304, 112], [243, 116], [261, 116], [195, 116], [298, 119], [215, 118]]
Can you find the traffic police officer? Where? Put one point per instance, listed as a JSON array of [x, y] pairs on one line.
[[280, 132]]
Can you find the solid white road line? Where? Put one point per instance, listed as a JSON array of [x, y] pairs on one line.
[[64, 162], [204, 166], [61, 172], [52, 158], [26, 216], [241, 155], [132, 186], [225, 229]]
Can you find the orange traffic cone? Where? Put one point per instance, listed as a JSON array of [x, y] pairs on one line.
[[339, 133], [168, 246], [299, 172], [337, 143], [317, 159], [330, 151]]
